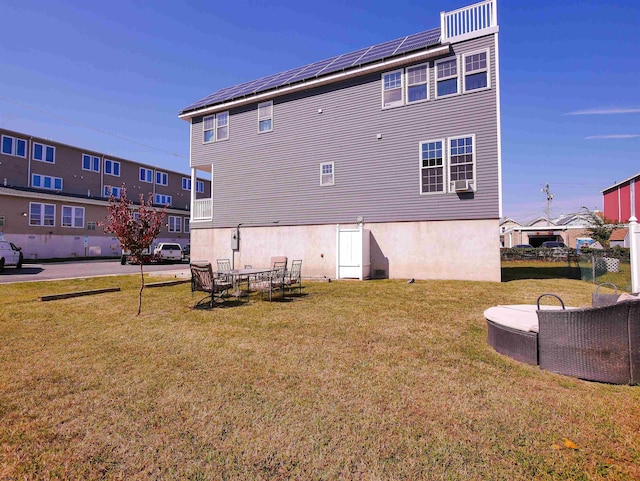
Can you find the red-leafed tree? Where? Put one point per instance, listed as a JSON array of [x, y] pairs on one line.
[[135, 226]]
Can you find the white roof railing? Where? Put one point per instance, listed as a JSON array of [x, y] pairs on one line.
[[469, 22]]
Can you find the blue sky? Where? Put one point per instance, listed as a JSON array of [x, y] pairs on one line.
[[121, 72]]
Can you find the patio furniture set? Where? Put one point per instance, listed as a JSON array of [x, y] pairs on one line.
[[226, 282], [598, 343]]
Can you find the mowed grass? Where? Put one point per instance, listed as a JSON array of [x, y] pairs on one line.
[[377, 380]]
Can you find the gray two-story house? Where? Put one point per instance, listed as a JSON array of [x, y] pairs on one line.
[[383, 162]]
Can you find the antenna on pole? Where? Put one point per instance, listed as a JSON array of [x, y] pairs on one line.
[[549, 199]]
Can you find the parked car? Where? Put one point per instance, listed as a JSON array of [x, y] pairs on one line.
[[554, 245], [10, 255], [168, 252], [523, 246]]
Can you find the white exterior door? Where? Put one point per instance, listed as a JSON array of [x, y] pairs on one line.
[[352, 261]]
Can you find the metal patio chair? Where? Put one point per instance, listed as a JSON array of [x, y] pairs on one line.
[[203, 279]]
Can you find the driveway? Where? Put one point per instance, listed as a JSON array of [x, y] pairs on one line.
[[78, 269]]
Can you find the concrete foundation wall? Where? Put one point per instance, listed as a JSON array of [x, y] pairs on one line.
[[461, 250]]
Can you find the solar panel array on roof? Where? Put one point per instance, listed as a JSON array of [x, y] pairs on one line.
[[324, 67]]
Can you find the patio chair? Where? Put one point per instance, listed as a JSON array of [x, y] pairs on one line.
[[270, 282], [203, 279], [600, 300], [294, 276], [595, 343], [278, 261]]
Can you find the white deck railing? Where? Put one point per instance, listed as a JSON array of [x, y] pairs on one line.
[[468, 21], [202, 209]]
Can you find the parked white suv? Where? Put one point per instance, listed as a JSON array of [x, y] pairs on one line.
[[10, 255], [167, 251]]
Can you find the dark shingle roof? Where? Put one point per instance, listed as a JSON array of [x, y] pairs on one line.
[[375, 53]]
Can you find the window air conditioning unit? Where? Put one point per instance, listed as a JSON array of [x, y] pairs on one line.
[[462, 185]]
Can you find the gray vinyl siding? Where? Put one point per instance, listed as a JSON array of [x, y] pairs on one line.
[[276, 175]]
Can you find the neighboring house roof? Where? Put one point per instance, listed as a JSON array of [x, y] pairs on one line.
[[540, 221], [509, 220], [625, 181], [618, 235], [376, 53]]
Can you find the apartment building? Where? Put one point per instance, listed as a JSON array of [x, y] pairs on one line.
[[53, 196]]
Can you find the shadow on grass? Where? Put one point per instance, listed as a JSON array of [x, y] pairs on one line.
[[542, 272]]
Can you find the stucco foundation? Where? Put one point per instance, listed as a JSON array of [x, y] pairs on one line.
[[460, 250]]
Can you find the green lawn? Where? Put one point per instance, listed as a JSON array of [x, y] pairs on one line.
[[377, 380]]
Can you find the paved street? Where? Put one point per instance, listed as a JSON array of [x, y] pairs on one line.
[[78, 269]]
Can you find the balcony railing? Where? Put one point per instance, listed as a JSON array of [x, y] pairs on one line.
[[202, 209], [469, 22]]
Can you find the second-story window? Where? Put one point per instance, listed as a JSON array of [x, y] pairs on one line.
[[14, 146], [146, 175], [46, 182], [162, 199], [392, 89], [326, 173], [417, 84], [112, 167], [476, 71], [44, 153], [110, 190], [199, 186], [265, 117], [186, 183], [216, 127], [90, 162], [446, 77], [162, 178]]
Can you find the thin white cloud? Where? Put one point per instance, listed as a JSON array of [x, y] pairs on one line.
[[604, 111], [613, 136]]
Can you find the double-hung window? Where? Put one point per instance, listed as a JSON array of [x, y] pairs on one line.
[[392, 89], [161, 178], [46, 182], [175, 223], [462, 162], [476, 71], [199, 186], [42, 214], [110, 190], [90, 162], [186, 183], [14, 146], [216, 127], [326, 173], [432, 170], [146, 175], [187, 225], [448, 165], [44, 153], [162, 199], [417, 83], [112, 167], [447, 77], [265, 116], [72, 216]]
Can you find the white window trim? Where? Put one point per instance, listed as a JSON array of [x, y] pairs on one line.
[[406, 93], [269, 117], [186, 181], [464, 73], [14, 146], [113, 163], [91, 158], [400, 103], [457, 76], [108, 189], [445, 170], [200, 186], [42, 208], [164, 177], [42, 178], [157, 199], [333, 174], [146, 171], [187, 225], [215, 127], [474, 183], [73, 217], [44, 152], [174, 224]]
